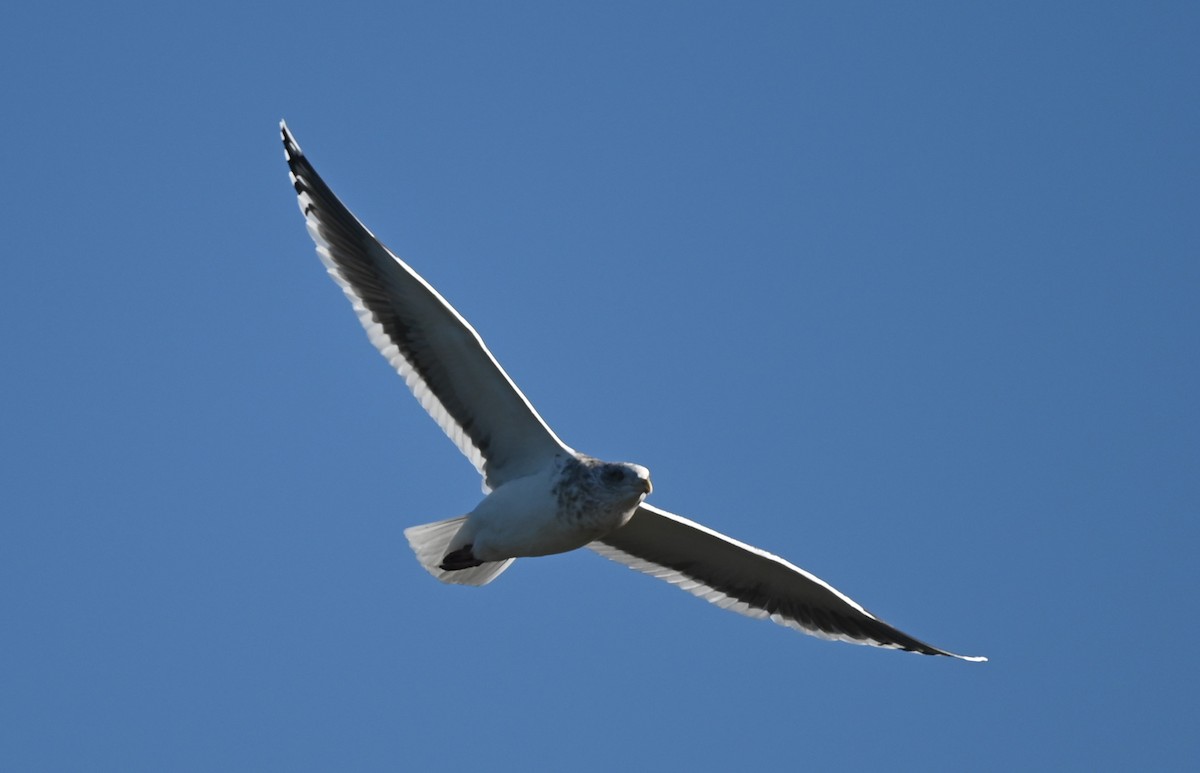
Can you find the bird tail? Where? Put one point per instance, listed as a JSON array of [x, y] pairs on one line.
[[431, 542]]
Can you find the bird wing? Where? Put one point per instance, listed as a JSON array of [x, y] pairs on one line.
[[742, 578], [442, 359]]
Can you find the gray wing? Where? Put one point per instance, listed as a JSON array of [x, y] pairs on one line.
[[736, 576], [442, 359]]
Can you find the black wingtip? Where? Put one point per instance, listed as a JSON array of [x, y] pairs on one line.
[[947, 653], [290, 146]]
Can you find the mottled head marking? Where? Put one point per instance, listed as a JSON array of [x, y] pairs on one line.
[[598, 494]]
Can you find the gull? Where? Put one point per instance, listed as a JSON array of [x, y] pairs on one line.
[[542, 496]]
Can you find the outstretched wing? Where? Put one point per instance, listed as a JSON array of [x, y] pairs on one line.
[[441, 357], [736, 576]]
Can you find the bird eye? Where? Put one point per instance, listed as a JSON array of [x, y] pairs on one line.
[[613, 475]]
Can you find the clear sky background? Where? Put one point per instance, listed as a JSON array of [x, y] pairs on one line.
[[908, 295]]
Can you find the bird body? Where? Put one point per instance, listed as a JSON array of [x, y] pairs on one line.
[[569, 503]]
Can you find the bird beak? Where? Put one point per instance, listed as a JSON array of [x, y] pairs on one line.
[[648, 485]]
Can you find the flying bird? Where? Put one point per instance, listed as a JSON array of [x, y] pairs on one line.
[[541, 495]]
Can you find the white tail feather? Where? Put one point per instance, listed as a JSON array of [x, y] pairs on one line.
[[431, 542]]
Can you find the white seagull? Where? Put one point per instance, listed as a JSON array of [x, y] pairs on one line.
[[542, 496]]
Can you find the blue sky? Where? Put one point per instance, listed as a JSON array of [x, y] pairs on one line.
[[907, 295]]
